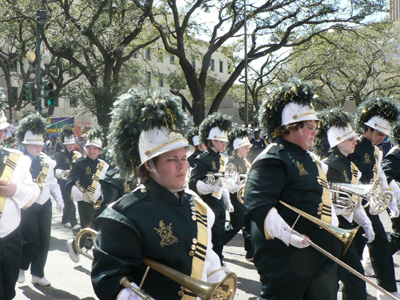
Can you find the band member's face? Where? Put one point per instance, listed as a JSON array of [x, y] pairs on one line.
[[243, 151], [93, 151], [2, 135], [348, 146], [70, 147], [219, 146], [172, 167], [34, 149], [304, 137]]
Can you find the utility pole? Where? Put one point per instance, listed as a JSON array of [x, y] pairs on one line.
[[246, 98]]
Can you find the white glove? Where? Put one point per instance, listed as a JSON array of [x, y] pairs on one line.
[[361, 218], [60, 205], [58, 173], [234, 188], [276, 227], [227, 200], [394, 210], [205, 189], [128, 294], [341, 211], [76, 194]]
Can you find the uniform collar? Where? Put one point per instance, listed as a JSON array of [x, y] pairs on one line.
[[289, 145], [212, 152], [163, 194], [366, 141]]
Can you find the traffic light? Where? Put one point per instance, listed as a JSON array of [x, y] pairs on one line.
[[48, 94], [27, 92]]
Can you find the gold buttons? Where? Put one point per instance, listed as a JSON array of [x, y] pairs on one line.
[[194, 218], [319, 213], [194, 241], [143, 191], [181, 293], [294, 117], [191, 253], [193, 208], [321, 205], [193, 247]]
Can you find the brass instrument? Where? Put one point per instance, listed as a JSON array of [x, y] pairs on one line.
[[96, 203], [346, 236], [372, 193], [224, 290], [230, 175], [85, 237], [64, 174]]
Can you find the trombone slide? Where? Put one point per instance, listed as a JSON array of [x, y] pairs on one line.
[[126, 284]]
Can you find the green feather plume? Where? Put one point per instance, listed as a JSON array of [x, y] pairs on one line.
[[270, 115], [236, 132], [96, 132], [66, 132], [328, 118], [217, 119], [33, 122], [192, 132], [381, 107], [395, 133], [134, 112]]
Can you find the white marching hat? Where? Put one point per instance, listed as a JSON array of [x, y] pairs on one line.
[[94, 142], [293, 112], [3, 121], [157, 141], [379, 124], [32, 139], [69, 140], [217, 134], [195, 140], [240, 142], [336, 135]]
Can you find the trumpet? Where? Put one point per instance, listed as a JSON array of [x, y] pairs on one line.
[[224, 290], [85, 238], [372, 193], [89, 197], [64, 174], [230, 175]]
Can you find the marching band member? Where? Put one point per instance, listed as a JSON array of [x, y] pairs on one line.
[[193, 138], [213, 132], [391, 168], [83, 183], [17, 191], [375, 117], [64, 161], [239, 146], [159, 220], [336, 131], [286, 171], [35, 224]]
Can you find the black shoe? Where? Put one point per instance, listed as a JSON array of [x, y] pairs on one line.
[[249, 256]]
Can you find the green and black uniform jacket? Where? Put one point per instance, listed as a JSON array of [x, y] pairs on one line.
[[391, 165], [339, 167], [192, 157], [364, 159], [82, 170]]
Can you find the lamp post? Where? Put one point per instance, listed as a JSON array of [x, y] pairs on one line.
[[246, 98], [41, 16]]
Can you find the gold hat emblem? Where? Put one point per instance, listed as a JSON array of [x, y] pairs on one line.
[[165, 232]]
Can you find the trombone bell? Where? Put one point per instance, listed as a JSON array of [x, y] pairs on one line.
[[344, 235]]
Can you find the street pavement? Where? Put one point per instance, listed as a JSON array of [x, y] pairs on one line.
[[71, 281]]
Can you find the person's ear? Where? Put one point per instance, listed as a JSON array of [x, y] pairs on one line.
[[147, 166]]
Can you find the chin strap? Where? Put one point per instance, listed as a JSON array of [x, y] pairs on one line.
[[305, 141], [154, 171]]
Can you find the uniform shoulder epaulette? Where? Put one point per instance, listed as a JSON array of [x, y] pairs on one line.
[[80, 158], [272, 151], [9, 150], [204, 153], [128, 200], [111, 172], [274, 148], [330, 158]]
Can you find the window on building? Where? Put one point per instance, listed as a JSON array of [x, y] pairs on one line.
[[229, 68], [171, 59], [161, 82], [148, 78], [212, 65], [148, 54], [221, 66], [13, 66], [160, 56], [73, 102]]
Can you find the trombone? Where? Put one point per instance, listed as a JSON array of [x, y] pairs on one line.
[[224, 290], [345, 236], [96, 203], [87, 236]]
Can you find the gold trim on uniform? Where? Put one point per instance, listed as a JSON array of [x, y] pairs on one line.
[[302, 171], [11, 163], [149, 151], [367, 159]]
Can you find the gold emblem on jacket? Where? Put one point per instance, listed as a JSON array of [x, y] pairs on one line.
[[367, 159], [346, 177], [302, 171], [67, 160], [214, 165], [165, 232], [88, 170]]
